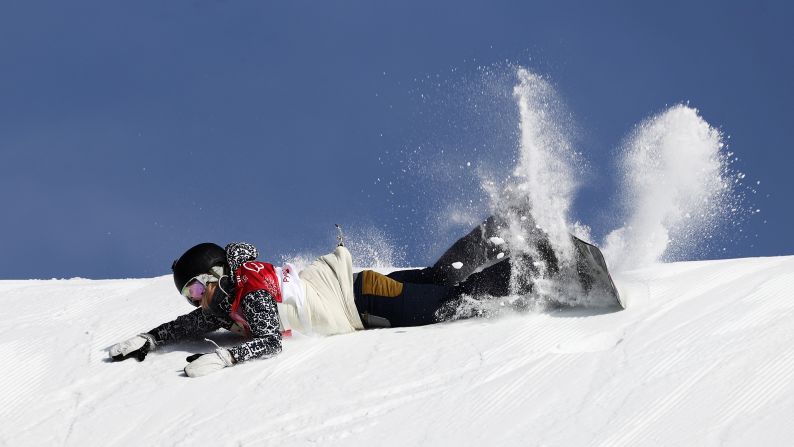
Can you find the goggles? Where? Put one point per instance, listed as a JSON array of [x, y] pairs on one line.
[[195, 288]]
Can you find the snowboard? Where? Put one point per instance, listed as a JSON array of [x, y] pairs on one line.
[[483, 247], [594, 275]]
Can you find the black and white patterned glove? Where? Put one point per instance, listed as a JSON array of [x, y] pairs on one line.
[[136, 347], [203, 364]]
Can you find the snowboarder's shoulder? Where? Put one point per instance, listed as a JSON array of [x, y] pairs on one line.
[[239, 252]]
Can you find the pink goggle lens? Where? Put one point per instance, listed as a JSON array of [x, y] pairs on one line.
[[194, 290]]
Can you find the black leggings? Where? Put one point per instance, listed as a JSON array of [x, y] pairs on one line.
[[471, 266], [477, 251]]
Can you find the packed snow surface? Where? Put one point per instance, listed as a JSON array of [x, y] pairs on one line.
[[703, 355]]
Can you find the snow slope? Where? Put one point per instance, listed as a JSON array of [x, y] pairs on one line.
[[703, 355]]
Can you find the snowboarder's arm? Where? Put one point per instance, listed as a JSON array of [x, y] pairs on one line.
[[261, 313], [191, 325], [259, 309]]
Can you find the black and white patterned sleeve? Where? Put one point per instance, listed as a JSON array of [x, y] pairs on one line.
[[261, 313], [239, 252], [191, 325]]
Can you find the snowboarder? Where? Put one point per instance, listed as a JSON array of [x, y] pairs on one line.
[[262, 302]]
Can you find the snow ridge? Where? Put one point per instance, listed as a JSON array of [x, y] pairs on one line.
[[702, 356]]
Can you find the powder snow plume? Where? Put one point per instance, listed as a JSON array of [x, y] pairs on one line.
[[544, 170], [542, 185], [542, 180], [675, 189]]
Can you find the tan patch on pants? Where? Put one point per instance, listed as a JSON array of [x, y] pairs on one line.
[[373, 283]]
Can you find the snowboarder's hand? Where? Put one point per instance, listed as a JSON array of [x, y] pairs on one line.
[[137, 347], [203, 364]]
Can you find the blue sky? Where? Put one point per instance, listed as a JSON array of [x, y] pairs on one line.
[[130, 131]]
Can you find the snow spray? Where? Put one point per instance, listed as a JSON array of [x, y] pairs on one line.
[[372, 248], [675, 189], [544, 168], [536, 201]]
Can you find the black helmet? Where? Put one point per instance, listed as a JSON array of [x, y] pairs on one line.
[[197, 260]]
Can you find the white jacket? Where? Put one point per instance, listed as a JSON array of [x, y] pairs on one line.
[[329, 307]]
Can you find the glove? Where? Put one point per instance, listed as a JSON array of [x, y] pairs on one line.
[[203, 364], [137, 347]]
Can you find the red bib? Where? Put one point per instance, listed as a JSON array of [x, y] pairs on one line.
[[250, 277]]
